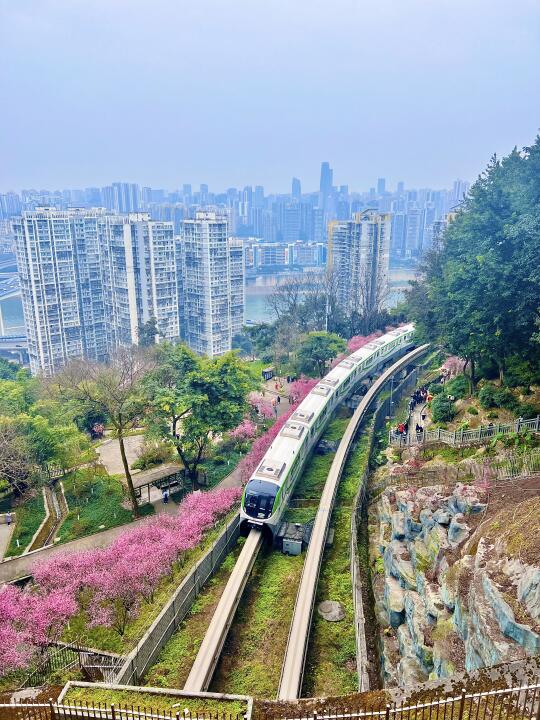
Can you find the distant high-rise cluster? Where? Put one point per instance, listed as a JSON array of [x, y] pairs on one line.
[[97, 264], [359, 254], [295, 217], [90, 279]]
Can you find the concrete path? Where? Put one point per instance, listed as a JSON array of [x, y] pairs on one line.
[[22, 566], [109, 453], [5, 536]]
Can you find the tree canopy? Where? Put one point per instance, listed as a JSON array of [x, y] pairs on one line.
[[480, 292], [317, 348], [191, 399]]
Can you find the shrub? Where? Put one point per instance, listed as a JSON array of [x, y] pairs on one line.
[[152, 454], [472, 410], [492, 415], [505, 399], [435, 389], [486, 397], [526, 411], [458, 387], [442, 409]]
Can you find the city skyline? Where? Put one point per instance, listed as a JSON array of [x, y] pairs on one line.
[[226, 94], [180, 186]]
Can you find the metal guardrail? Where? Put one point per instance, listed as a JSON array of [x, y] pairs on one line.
[[459, 438], [104, 711], [519, 703], [293, 666]]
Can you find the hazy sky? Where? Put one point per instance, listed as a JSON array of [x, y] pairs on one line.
[[235, 92]]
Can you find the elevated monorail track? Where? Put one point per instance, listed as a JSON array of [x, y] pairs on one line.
[[292, 672], [203, 668], [207, 658]]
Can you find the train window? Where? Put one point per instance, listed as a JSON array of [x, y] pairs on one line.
[[259, 498]]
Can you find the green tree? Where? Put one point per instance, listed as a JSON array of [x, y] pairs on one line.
[[9, 370], [317, 348], [192, 400], [114, 390], [479, 293], [148, 332]]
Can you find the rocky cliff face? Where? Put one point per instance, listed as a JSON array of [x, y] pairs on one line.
[[456, 588]]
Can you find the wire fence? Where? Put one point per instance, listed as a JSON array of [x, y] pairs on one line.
[[519, 703]]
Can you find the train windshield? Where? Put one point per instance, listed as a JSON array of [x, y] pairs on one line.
[[259, 498]]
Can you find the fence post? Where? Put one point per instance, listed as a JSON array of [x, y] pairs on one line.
[[387, 713], [537, 423], [51, 707], [113, 712], [462, 704]]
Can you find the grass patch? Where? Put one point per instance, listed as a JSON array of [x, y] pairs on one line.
[[219, 466], [331, 658], [95, 503], [253, 652], [177, 657], [30, 514], [300, 515], [313, 477], [105, 638], [155, 701]]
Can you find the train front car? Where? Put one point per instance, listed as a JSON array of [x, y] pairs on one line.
[[270, 488]]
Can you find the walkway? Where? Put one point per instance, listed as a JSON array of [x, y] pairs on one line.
[[5, 537]]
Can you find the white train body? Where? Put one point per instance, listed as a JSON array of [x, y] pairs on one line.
[[271, 486]]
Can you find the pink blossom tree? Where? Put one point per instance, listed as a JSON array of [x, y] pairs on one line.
[[246, 430], [261, 407]]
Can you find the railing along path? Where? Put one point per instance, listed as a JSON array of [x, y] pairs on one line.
[[458, 438]]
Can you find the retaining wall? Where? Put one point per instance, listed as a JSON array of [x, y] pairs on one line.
[[379, 419]]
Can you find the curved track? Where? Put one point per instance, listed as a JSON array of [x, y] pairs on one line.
[[293, 666]]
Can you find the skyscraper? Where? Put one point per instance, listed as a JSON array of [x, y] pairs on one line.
[[211, 270], [325, 186], [381, 186], [89, 279], [359, 254], [296, 189]]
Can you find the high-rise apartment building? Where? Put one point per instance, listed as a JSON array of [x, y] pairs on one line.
[[212, 271], [359, 254], [89, 279]]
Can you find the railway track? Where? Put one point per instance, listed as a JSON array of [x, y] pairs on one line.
[[209, 653]]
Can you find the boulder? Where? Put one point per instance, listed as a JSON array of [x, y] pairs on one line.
[[397, 564], [331, 610], [426, 519], [398, 526], [394, 598], [410, 672], [458, 530], [417, 624], [442, 517]]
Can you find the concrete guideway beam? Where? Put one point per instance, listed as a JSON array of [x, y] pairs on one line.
[[207, 658], [292, 671]]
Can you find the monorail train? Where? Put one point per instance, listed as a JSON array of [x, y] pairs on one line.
[[269, 489]]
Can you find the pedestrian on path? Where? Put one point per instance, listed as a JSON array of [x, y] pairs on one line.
[[8, 518]]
